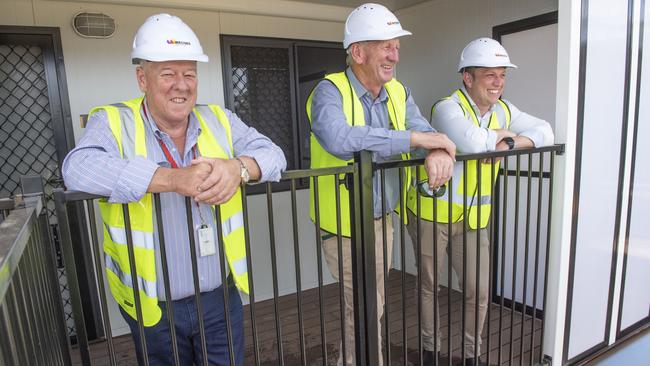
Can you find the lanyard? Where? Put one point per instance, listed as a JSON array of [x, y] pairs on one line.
[[170, 159], [168, 155]]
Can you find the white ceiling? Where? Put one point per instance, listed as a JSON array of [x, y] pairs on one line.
[[390, 4], [328, 10]]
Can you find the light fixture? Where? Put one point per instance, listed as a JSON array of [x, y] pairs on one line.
[[93, 25]]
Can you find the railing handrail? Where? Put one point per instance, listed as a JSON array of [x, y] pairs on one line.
[[71, 196], [14, 236], [362, 230], [7, 204], [307, 173], [557, 148]]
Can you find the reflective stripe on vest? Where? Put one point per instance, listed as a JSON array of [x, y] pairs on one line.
[[320, 158], [128, 129], [215, 126], [140, 239], [147, 286], [464, 207]]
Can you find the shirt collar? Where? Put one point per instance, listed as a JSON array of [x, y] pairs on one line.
[[193, 128], [474, 106], [360, 90]]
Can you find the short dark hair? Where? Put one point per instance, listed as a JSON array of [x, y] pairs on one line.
[[470, 70]]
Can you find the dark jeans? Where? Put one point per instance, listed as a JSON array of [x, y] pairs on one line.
[[158, 337]]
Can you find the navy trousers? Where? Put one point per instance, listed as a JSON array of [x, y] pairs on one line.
[[158, 337]]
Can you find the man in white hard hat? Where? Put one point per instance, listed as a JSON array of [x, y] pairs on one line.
[[477, 120], [165, 143], [365, 108]]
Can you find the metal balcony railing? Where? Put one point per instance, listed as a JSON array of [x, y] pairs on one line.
[[290, 329], [32, 325]]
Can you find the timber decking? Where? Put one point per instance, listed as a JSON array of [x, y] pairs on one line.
[[291, 347]]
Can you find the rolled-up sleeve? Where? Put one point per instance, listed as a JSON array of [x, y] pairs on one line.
[[536, 129], [332, 131], [95, 165], [247, 141]]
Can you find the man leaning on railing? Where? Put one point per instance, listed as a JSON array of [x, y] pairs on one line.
[[477, 120], [166, 143], [366, 108]]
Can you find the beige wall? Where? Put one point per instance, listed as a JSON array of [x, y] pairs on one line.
[[441, 28], [99, 71]]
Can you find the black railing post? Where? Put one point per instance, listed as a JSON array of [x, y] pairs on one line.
[[71, 274], [363, 262]]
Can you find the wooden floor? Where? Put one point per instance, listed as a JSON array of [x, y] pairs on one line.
[[313, 350]]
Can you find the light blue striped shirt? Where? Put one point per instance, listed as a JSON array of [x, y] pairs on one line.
[[96, 166], [332, 131]]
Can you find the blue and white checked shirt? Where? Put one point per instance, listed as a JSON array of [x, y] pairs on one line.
[[95, 166]]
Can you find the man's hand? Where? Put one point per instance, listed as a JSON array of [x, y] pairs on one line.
[[221, 184], [433, 140], [439, 166], [183, 181], [186, 181]]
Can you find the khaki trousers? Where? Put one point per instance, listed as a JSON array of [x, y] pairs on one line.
[[426, 248], [330, 250]]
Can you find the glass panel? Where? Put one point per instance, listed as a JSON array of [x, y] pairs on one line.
[[601, 144], [636, 300]]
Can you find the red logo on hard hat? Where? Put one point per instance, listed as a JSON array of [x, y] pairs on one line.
[[392, 23], [173, 41], [500, 55]]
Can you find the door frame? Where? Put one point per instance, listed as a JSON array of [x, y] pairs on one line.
[[49, 39]]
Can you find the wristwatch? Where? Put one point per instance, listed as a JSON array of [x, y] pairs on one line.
[[510, 142], [245, 177]]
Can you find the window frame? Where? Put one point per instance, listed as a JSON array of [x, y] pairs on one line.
[[297, 127]]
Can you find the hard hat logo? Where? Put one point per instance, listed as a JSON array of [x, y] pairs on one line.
[[371, 22], [157, 38], [484, 52], [173, 41]]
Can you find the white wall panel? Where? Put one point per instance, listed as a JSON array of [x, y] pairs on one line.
[[636, 300], [599, 174]]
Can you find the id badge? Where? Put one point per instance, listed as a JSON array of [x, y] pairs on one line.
[[206, 241]]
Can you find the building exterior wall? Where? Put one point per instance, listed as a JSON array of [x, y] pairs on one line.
[[441, 29]]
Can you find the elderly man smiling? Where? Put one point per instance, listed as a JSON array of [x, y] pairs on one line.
[[366, 108], [165, 142]]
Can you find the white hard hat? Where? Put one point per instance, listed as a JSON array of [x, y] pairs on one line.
[[165, 37], [372, 22], [484, 52]]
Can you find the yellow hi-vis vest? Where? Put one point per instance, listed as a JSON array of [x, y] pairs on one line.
[[474, 203], [320, 158], [215, 141]]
